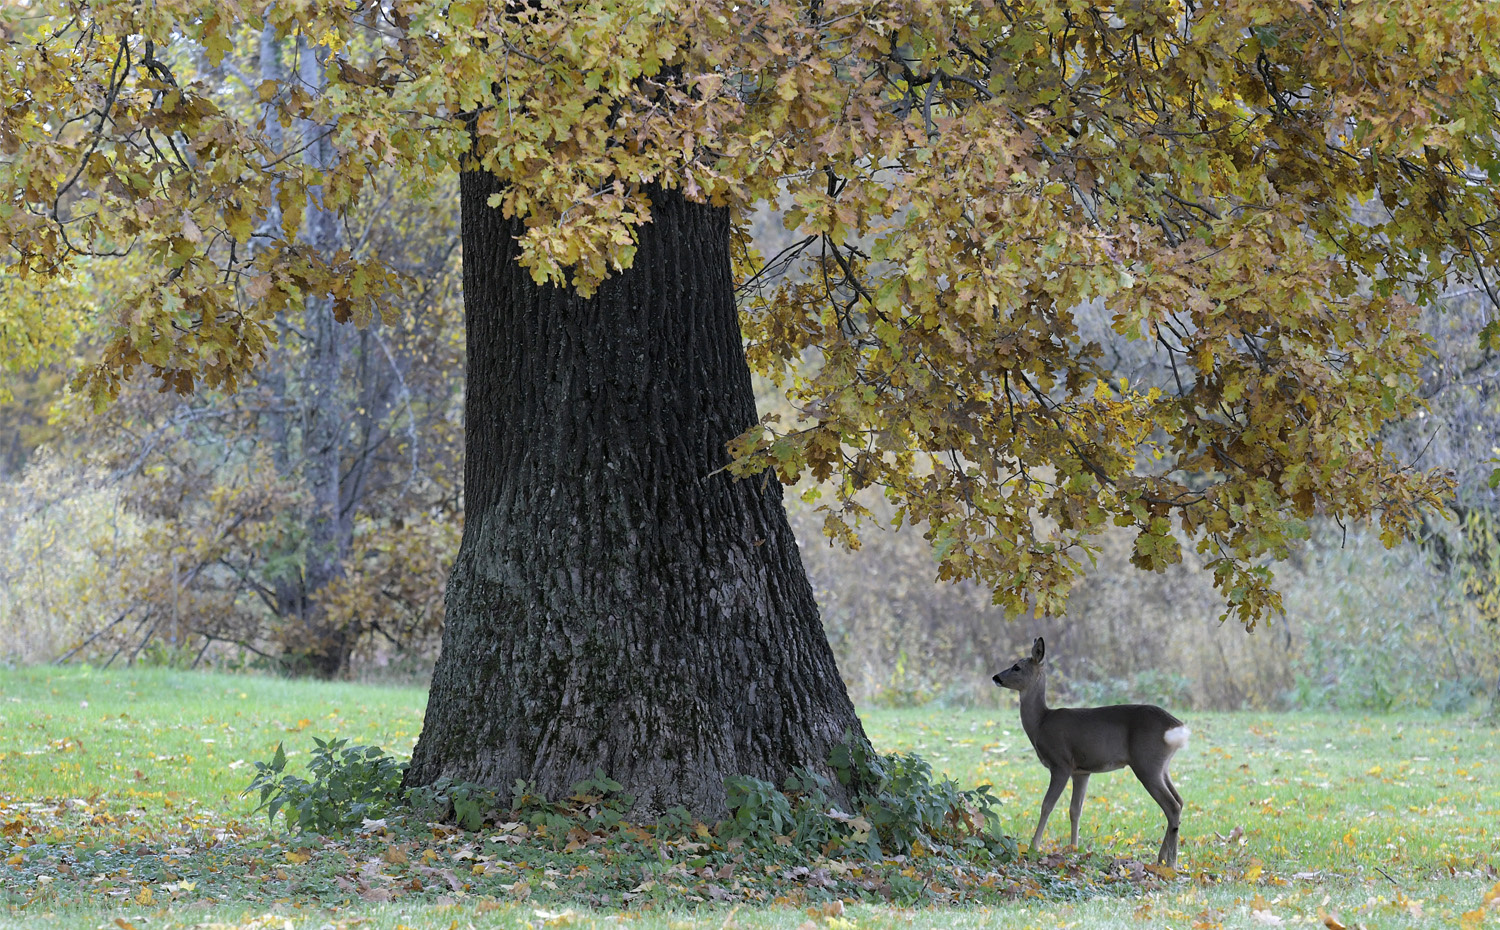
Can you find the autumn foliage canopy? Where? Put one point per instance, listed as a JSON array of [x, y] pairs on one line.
[[1257, 195]]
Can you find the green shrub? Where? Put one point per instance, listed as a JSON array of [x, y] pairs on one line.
[[350, 784], [468, 805], [903, 803], [758, 810], [596, 804], [898, 807]]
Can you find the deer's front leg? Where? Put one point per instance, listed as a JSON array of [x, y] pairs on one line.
[[1054, 791], [1075, 809]]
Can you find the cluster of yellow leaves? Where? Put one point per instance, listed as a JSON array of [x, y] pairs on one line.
[[38, 325], [1259, 189], [1476, 917]]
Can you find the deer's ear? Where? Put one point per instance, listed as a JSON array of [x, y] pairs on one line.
[[1038, 650]]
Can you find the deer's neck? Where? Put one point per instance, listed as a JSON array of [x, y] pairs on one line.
[[1034, 705]]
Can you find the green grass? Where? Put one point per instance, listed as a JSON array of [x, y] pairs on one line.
[[162, 739], [128, 781], [1310, 792]]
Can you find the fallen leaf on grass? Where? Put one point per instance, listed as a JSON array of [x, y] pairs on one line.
[[1267, 918], [1208, 919], [1414, 908], [446, 875], [1331, 921], [1472, 920]]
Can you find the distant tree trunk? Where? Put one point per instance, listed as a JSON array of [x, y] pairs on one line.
[[618, 602], [308, 637]]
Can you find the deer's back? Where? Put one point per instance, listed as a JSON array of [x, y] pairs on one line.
[[1101, 739]]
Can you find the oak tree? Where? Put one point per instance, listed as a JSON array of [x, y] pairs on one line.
[[1259, 193]]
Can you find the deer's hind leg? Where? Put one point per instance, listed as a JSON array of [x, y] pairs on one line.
[[1160, 787], [1167, 777]]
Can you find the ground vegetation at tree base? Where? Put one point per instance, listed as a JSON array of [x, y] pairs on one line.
[[121, 806]]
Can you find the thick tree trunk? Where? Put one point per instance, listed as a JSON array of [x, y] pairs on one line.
[[618, 602]]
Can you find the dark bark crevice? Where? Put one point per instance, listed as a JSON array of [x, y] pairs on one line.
[[618, 602]]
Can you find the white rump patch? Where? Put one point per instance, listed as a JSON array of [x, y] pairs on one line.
[[1177, 737]]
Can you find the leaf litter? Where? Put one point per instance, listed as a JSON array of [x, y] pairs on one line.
[[79, 850]]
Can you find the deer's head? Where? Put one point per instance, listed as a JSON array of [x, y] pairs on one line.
[[1020, 676]]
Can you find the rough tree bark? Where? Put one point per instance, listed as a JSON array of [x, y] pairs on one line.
[[618, 602]]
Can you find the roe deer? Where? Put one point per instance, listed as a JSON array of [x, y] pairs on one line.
[[1080, 741]]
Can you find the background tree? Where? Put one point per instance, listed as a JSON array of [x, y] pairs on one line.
[[210, 538], [1456, 431], [963, 179], [250, 504], [228, 484]]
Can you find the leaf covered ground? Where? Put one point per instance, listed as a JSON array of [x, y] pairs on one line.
[[120, 806]]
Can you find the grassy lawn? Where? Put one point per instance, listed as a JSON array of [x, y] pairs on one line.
[[1310, 792], [120, 806]]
